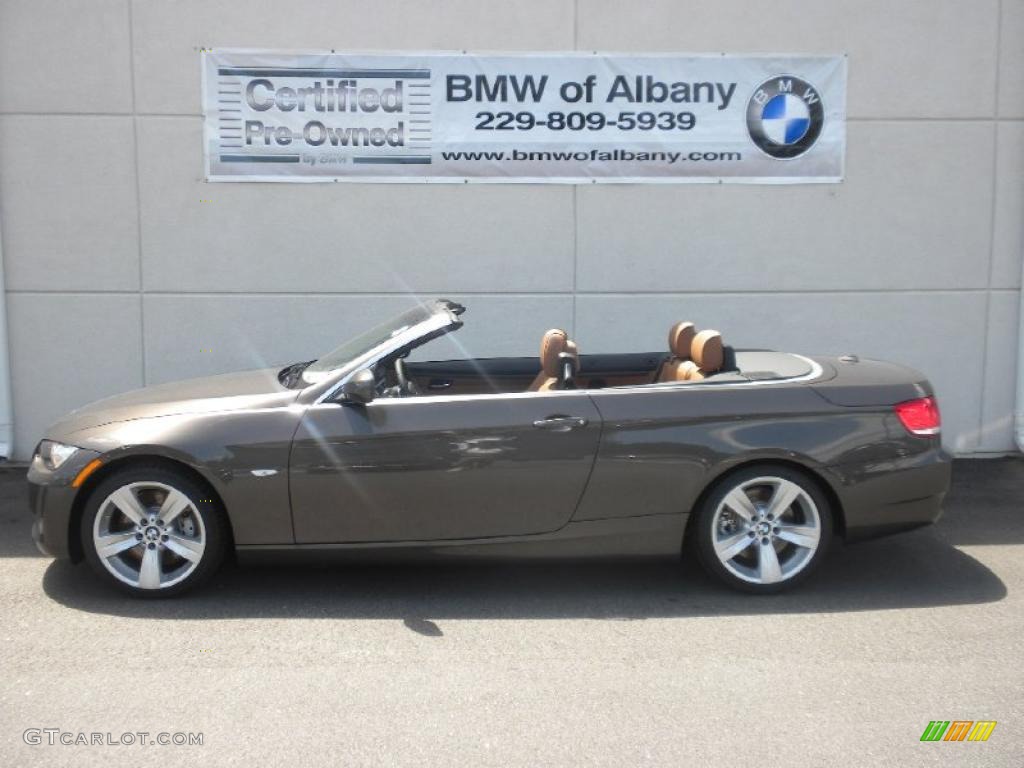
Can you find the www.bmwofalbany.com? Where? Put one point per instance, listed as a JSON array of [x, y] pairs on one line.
[[595, 155]]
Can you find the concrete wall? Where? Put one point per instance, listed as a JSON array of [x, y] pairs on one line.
[[118, 275]]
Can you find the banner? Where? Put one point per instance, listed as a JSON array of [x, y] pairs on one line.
[[531, 117]]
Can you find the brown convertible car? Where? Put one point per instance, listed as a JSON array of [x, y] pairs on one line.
[[755, 459]]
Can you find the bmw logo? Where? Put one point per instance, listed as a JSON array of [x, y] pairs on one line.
[[784, 116]]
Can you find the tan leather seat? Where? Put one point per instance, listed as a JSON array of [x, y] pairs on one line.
[[680, 339], [707, 353], [552, 345]]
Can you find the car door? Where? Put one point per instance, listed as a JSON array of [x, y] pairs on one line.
[[441, 467]]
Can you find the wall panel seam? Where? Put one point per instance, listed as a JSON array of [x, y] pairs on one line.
[[138, 196], [991, 231], [516, 294], [575, 189], [849, 118]]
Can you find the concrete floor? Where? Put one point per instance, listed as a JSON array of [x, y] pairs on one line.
[[612, 664]]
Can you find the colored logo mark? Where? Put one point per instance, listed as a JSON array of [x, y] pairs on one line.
[[785, 116], [958, 730]]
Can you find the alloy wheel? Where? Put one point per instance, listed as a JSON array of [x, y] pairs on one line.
[[766, 530], [149, 535]]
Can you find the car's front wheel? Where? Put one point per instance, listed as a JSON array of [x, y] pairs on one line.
[[763, 529], [152, 532]]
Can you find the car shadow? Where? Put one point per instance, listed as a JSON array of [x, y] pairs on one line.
[[983, 506], [915, 570]]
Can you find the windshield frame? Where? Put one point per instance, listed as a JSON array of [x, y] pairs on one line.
[[442, 319]]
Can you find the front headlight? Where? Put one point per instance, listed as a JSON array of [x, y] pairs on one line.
[[54, 454]]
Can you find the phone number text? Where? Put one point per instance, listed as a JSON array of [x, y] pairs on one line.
[[585, 121]]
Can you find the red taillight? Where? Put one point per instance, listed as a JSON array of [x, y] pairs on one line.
[[921, 416]]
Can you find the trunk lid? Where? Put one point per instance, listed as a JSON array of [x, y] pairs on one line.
[[861, 382]]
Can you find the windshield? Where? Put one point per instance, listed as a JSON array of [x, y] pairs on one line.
[[359, 345]]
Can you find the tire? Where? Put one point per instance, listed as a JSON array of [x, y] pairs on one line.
[[741, 540], [146, 555]]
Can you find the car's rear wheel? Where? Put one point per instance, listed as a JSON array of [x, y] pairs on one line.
[[152, 532], [763, 529]]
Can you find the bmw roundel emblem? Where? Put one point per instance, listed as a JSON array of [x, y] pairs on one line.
[[785, 116]]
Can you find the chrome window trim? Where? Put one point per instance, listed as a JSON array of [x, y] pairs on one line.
[[815, 372]]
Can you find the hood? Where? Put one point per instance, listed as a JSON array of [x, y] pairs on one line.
[[228, 392]]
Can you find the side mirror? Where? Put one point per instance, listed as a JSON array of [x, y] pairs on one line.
[[360, 388]]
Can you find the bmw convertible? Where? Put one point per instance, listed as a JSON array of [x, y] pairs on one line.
[[753, 461]]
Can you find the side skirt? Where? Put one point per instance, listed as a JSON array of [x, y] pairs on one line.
[[621, 537]]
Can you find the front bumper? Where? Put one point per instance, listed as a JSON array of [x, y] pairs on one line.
[[39, 537], [52, 500]]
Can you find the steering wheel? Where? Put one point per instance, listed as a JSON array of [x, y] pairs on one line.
[[405, 386]]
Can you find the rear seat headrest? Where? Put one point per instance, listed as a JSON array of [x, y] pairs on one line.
[[707, 351], [552, 344], [680, 339]]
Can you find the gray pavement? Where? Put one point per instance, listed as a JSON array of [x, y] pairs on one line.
[[561, 664]]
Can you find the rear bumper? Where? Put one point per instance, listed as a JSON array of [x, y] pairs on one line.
[[896, 495], [52, 499]]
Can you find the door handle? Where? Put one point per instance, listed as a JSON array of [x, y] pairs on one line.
[[560, 423], [439, 384]]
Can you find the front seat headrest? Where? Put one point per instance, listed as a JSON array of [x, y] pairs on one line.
[[707, 351], [680, 339], [552, 344]]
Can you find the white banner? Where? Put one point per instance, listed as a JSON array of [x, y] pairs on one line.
[[532, 117]]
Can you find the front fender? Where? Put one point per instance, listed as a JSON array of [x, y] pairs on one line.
[[242, 455]]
